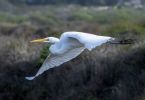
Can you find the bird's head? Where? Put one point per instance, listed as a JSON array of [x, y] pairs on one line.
[[50, 40]]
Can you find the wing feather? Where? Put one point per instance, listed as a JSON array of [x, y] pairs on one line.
[[90, 41], [56, 60]]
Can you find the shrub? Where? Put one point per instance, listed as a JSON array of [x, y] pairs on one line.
[[125, 28], [44, 53], [92, 75]]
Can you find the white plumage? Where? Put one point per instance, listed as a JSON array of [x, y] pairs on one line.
[[69, 46]]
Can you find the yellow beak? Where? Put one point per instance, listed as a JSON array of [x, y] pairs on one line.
[[39, 40]]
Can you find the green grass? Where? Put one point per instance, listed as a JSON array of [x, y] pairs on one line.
[[110, 21], [7, 17]]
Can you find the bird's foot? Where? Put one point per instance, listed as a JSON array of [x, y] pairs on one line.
[[29, 78]]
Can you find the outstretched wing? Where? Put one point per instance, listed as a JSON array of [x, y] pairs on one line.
[[56, 60]]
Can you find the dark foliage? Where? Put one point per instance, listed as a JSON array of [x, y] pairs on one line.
[[90, 76]]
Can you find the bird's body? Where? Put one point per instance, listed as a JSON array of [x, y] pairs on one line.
[[76, 39], [69, 46]]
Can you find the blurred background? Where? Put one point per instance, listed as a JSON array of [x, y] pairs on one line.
[[110, 72]]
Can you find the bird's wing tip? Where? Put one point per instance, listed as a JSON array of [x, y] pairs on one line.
[[29, 78]]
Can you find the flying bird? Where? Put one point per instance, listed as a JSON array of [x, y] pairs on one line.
[[69, 46]]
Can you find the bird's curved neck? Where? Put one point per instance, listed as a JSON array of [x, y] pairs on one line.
[[53, 40]]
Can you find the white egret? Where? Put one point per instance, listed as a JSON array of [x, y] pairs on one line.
[[69, 46]]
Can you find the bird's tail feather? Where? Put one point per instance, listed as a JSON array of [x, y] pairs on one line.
[[124, 41]]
